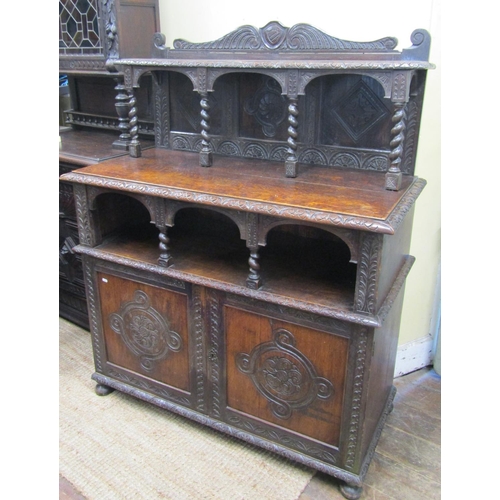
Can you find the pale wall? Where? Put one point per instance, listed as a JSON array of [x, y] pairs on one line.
[[362, 20]]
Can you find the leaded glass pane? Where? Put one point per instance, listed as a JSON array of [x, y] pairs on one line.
[[79, 27]]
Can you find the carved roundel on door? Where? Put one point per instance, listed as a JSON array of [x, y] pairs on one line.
[[283, 375], [144, 330]]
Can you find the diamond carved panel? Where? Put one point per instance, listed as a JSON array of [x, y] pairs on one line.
[[359, 110]]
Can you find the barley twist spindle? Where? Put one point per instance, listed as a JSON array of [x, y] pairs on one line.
[[291, 160], [206, 150], [394, 175], [254, 280], [165, 259], [135, 146]]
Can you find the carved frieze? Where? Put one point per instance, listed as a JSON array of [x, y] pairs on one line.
[[294, 213], [368, 266], [266, 150], [200, 359], [360, 352], [274, 36], [86, 228]]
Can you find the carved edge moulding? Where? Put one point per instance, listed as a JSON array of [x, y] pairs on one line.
[[293, 57]]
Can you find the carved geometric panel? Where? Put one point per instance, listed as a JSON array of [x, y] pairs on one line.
[[144, 330], [359, 110], [283, 375]]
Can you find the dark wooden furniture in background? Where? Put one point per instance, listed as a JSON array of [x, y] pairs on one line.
[[92, 35], [261, 296]]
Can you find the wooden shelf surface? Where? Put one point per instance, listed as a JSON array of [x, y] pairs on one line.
[[243, 182], [300, 277], [86, 147]]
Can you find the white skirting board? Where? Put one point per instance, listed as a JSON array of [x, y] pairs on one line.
[[414, 355]]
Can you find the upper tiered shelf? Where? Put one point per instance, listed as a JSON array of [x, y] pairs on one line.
[[305, 97]]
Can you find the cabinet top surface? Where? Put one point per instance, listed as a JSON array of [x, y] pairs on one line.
[[350, 198], [85, 147]]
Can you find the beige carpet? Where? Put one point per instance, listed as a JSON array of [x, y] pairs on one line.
[[117, 447]]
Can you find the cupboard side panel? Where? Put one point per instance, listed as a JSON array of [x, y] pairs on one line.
[[380, 383]]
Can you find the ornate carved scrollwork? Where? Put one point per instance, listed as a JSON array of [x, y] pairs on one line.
[[144, 330], [275, 36], [284, 375]]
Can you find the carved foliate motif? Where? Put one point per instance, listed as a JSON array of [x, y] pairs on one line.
[[144, 330], [268, 107], [283, 375], [275, 36], [109, 14]]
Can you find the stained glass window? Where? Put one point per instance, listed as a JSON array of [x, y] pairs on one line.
[[79, 27]]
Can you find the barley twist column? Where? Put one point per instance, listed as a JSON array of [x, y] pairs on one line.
[[291, 159], [394, 176], [206, 149], [165, 259], [135, 146], [254, 281]]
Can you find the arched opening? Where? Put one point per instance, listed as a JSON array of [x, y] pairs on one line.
[[309, 262], [250, 114], [121, 216], [352, 110], [208, 243]]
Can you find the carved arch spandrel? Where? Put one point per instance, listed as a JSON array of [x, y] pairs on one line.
[[384, 78], [236, 216], [152, 204]]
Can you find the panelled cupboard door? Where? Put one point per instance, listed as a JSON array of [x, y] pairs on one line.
[[145, 329], [285, 374]]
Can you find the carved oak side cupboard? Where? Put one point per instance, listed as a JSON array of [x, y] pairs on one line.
[[92, 35], [248, 271]]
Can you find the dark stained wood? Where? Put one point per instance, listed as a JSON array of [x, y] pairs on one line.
[[319, 418], [85, 147], [172, 368], [277, 291]]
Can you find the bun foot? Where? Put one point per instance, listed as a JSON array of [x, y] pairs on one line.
[[350, 492], [103, 390]]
